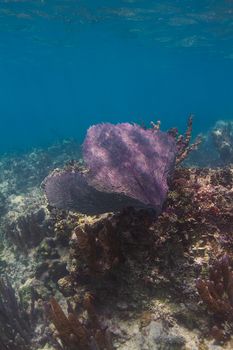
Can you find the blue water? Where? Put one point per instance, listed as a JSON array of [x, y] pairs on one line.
[[65, 65]]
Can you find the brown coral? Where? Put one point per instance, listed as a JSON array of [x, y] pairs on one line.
[[73, 333]]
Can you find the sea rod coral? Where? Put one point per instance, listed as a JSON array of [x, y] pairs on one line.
[[73, 333], [126, 165]]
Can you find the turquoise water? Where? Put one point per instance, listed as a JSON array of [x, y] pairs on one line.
[[65, 65]]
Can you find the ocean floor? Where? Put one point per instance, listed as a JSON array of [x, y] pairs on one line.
[[127, 280]]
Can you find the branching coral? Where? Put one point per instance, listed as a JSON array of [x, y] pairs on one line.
[[184, 148], [75, 334]]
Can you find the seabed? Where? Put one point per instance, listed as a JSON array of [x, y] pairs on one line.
[[115, 281]]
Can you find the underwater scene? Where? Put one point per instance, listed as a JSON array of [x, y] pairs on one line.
[[116, 175]]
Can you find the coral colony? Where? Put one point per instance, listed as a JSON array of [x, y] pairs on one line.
[[126, 166], [127, 249]]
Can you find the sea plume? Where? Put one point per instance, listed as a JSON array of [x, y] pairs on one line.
[[126, 166]]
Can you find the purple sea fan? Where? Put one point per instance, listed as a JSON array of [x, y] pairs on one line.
[[127, 159], [126, 166], [68, 189]]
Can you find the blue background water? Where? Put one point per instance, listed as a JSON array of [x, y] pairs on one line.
[[67, 64]]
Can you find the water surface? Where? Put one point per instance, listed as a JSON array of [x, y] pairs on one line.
[[65, 65]]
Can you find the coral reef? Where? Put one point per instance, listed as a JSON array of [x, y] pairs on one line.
[[184, 237], [126, 166], [141, 269]]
